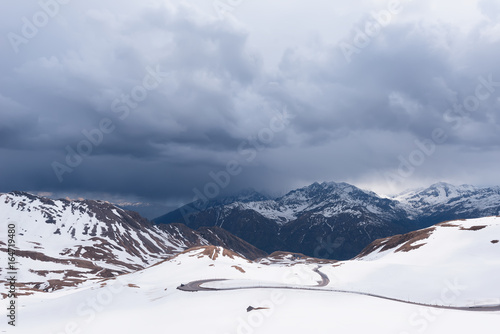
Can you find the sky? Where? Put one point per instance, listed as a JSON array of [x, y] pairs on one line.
[[165, 101]]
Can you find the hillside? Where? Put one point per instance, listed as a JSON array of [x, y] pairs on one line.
[[420, 265], [453, 264], [61, 243]]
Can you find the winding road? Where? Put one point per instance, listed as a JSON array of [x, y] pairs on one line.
[[195, 286]]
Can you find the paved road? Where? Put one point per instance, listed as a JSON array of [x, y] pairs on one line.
[[324, 278], [197, 286]]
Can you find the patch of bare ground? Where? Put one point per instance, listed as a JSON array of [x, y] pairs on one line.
[[212, 252], [45, 272], [403, 242], [22, 290], [251, 308], [51, 285], [447, 225], [229, 253], [37, 245], [239, 269], [82, 267], [494, 241], [25, 291], [80, 263], [56, 284], [473, 228], [130, 285]]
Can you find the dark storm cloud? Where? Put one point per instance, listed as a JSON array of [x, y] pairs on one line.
[[166, 144], [213, 97], [404, 86]]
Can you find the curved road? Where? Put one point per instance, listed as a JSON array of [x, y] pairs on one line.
[[197, 286]]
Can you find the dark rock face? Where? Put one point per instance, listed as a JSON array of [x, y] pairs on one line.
[[246, 224], [214, 236], [335, 220]]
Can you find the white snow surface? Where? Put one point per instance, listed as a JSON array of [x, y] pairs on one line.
[[327, 199], [443, 194], [62, 230], [455, 266], [330, 199], [467, 262]]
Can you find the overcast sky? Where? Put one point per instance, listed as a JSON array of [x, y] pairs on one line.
[[151, 100]]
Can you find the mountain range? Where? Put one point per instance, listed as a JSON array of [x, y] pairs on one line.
[[335, 220], [64, 242], [90, 266]]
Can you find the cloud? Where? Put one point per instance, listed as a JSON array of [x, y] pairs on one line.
[[490, 8], [221, 81]]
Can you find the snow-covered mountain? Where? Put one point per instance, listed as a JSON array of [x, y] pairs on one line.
[[336, 220], [444, 201], [325, 199], [453, 265], [63, 242], [329, 220]]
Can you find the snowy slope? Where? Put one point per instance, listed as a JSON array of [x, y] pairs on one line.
[[327, 199], [120, 308], [457, 264], [444, 198], [62, 242], [438, 193]]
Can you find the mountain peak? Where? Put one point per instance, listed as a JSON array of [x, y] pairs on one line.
[[442, 185], [448, 187], [211, 252], [248, 195], [322, 187]]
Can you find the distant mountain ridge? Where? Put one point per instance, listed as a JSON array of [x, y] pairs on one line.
[[443, 201], [336, 220]]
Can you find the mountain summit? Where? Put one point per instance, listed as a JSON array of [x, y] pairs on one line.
[[336, 220], [63, 242]]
